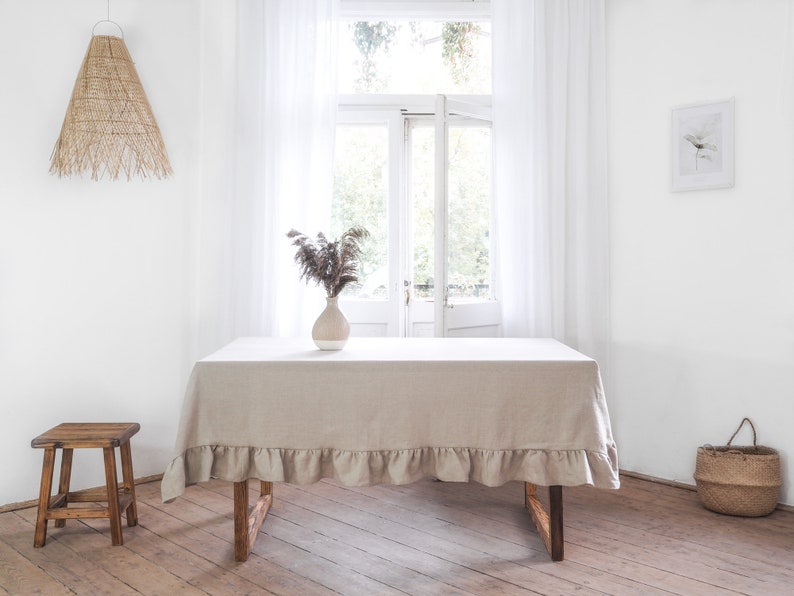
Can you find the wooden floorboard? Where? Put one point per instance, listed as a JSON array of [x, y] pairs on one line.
[[423, 538]]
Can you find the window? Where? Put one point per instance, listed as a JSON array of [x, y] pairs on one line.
[[415, 57], [412, 165]]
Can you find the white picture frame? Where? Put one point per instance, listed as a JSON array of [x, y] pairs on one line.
[[702, 144]]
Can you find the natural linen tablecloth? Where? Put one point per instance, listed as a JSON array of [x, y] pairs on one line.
[[393, 411]]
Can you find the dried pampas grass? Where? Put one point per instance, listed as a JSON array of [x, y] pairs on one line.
[[330, 263]]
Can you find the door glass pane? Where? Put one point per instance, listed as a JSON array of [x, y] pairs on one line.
[[360, 199], [469, 214], [421, 203]]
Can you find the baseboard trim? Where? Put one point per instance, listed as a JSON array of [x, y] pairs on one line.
[[158, 477], [655, 480], [35, 502]]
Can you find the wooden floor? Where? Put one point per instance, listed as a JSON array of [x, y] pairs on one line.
[[425, 538]]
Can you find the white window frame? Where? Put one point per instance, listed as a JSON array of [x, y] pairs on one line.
[[382, 108], [464, 10]]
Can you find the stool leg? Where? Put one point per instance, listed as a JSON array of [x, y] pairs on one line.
[[40, 536], [63, 485], [113, 496], [129, 483]]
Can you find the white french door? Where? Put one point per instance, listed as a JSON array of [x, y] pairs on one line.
[[419, 179]]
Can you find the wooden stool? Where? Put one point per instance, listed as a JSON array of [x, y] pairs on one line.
[[70, 436]]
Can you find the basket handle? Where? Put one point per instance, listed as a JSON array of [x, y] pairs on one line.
[[741, 424]]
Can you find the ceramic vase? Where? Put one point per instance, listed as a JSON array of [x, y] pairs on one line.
[[331, 329]]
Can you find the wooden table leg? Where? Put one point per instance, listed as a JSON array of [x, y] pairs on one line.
[[549, 524], [246, 525]]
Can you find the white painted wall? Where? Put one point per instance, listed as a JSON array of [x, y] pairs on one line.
[[97, 280], [93, 275], [702, 282]]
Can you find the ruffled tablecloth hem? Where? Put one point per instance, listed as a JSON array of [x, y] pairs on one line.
[[365, 468]]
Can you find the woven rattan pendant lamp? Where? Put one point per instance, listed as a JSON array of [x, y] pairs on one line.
[[109, 128]]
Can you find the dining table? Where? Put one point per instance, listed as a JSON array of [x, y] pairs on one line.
[[394, 411]]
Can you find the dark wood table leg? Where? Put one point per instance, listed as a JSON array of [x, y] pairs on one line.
[[555, 517], [246, 525], [549, 524]]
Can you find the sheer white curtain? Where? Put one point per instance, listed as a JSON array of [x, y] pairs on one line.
[[550, 170], [268, 111]]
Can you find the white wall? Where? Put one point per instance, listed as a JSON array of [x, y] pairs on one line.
[[97, 302], [93, 275], [702, 282]]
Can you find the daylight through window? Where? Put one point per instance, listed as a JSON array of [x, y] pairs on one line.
[[390, 73]]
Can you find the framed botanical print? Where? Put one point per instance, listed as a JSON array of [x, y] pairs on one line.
[[703, 146]]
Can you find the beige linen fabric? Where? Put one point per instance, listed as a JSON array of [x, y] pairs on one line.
[[394, 410]]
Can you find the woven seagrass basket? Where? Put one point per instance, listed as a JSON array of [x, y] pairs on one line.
[[742, 481]]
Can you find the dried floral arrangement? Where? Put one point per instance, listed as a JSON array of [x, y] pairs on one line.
[[330, 263]]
